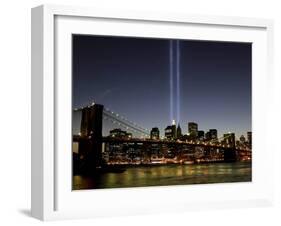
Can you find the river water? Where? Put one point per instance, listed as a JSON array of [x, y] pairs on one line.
[[141, 176]]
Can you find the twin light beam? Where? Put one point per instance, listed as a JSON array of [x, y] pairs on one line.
[[174, 80]]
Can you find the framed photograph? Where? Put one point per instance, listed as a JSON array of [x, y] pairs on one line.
[[137, 112]]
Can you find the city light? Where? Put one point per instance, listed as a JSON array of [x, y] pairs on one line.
[[174, 147]]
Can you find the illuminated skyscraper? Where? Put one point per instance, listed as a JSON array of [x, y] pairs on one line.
[[242, 139], [201, 135], [179, 132], [193, 130], [171, 132], [154, 133], [118, 133], [213, 134], [207, 136], [249, 138]]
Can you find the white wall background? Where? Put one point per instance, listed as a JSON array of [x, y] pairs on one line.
[[15, 111]]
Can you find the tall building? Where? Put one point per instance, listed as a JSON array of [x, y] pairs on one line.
[[213, 134], [201, 135], [193, 129], [249, 138], [118, 133], [242, 139], [171, 132], [208, 136], [179, 132], [154, 133]]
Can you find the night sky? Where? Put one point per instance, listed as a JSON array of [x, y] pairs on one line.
[[131, 76]]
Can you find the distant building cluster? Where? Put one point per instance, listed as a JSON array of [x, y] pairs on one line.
[[173, 132], [120, 147], [173, 147], [118, 133]]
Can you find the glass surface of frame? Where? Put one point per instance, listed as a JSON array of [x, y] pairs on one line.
[[54, 139]]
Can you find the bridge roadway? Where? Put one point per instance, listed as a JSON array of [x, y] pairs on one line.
[[77, 138]]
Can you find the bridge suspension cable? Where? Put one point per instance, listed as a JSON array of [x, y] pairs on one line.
[[124, 122], [120, 120]]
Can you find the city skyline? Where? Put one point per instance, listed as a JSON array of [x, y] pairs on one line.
[[132, 76], [183, 132]]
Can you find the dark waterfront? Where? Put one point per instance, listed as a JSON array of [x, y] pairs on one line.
[[142, 176]]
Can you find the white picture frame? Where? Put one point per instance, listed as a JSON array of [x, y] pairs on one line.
[[52, 197]]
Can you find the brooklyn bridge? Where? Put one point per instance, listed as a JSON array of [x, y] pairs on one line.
[[92, 143]]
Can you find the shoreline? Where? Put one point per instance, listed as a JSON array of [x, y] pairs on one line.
[[171, 164]]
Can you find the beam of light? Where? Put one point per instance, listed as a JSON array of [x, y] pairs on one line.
[[171, 82], [178, 81]]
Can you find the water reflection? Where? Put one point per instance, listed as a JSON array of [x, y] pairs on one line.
[[168, 175]]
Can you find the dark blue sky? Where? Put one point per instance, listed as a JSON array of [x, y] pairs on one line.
[[131, 76]]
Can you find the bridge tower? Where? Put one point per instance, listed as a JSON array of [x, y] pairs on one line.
[[230, 153], [91, 128]]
